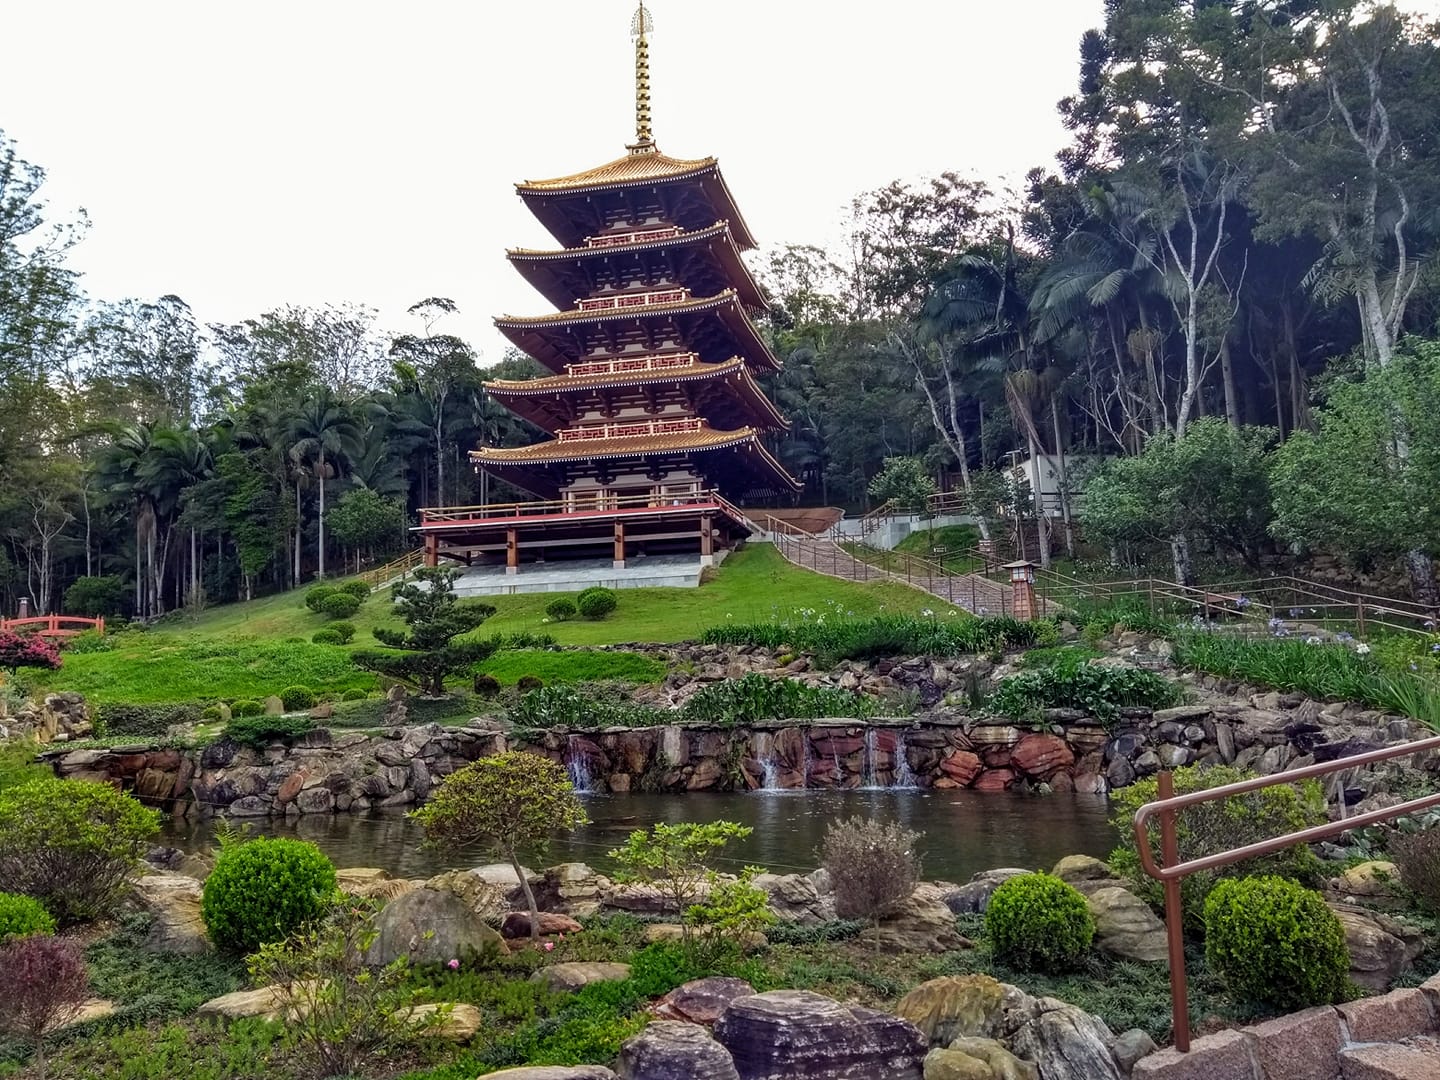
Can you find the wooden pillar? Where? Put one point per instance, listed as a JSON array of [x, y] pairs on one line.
[[619, 562], [432, 549], [512, 552], [707, 540]]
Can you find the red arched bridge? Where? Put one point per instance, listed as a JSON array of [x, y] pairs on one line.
[[53, 626]]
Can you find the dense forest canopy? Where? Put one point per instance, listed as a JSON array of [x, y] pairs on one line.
[[1223, 293]]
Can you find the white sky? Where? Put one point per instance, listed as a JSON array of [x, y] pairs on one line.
[[245, 155]]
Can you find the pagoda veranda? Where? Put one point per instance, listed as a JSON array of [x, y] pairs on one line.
[[655, 415]]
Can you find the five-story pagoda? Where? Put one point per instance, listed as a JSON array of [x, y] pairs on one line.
[[656, 417]]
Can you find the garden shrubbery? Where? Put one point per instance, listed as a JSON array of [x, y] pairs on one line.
[[121, 719], [872, 866], [358, 589], [561, 609], [295, 698], [759, 697], [316, 594], [21, 916], [1275, 943], [263, 890], [339, 605], [258, 732], [345, 631], [326, 636], [881, 635], [596, 602], [1097, 690], [486, 685], [70, 844], [1210, 828], [1039, 923], [245, 707]]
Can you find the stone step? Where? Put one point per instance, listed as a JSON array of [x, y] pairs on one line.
[[1391, 1061]]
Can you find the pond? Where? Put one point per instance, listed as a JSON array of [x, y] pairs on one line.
[[964, 831]]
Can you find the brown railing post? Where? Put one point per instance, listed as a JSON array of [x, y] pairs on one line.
[[1174, 919], [1359, 616]]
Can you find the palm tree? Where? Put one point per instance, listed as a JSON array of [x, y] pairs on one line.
[[178, 459], [321, 428], [120, 472]]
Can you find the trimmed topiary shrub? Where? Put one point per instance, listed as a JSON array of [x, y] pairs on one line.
[[529, 682], [358, 589], [1275, 943], [487, 685], [595, 602], [354, 694], [346, 630], [264, 890], [872, 866], [339, 605], [210, 712], [122, 719], [561, 609], [21, 916], [1037, 922], [295, 698], [316, 595], [245, 707], [70, 844], [258, 732], [325, 637]]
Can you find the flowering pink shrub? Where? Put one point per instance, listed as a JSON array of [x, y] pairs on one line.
[[42, 986], [26, 650]]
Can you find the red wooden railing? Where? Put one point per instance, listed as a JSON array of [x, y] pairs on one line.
[[633, 300], [626, 365], [644, 236], [53, 625]]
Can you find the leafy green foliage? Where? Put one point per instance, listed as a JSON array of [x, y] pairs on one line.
[[342, 1012], [906, 481], [326, 636], [315, 596], [355, 588], [1213, 827], [263, 890], [1073, 683], [872, 866], [147, 985], [118, 718], [759, 697], [675, 859], [70, 844], [18, 764], [259, 731], [728, 918], [22, 915], [339, 605], [245, 708], [427, 653], [596, 602], [843, 638], [1040, 923], [505, 803], [560, 609], [365, 519], [1276, 943], [345, 631], [1417, 858], [96, 597], [295, 698], [583, 707]]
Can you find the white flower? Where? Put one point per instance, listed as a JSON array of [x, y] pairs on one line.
[[1362, 648], [1312, 640], [926, 613]]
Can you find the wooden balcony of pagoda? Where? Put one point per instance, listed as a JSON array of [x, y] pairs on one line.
[[630, 429], [632, 365], [626, 301], [644, 236]]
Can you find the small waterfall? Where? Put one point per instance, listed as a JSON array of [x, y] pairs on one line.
[[577, 766], [872, 775], [807, 760], [764, 749], [904, 776]]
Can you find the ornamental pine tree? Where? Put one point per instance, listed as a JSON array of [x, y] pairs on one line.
[[426, 651]]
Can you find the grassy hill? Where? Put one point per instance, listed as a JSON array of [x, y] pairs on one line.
[[249, 650]]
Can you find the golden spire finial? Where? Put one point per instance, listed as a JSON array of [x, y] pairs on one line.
[[641, 26]]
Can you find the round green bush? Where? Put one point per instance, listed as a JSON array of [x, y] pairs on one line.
[[339, 605], [487, 685], [357, 589], [325, 636], [596, 602], [561, 609], [297, 697], [346, 631], [71, 844], [316, 594], [264, 890], [1037, 922], [529, 682], [210, 712], [354, 694], [21, 916], [1275, 943], [246, 707]]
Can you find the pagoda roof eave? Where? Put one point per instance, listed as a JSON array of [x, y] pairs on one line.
[[533, 263], [544, 336]]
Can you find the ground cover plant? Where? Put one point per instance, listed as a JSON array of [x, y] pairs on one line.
[[572, 666], [756, 697], [1097, 690], [841, 635]]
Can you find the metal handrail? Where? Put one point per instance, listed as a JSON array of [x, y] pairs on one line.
[[1173, 871]]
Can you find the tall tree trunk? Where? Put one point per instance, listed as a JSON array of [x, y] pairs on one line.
[[1227, 372], [1042, 515], [299, 531], [1181, 558], [1064, 482], [320, 522]]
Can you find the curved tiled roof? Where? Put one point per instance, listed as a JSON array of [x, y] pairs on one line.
[[635, 167], [621, 446], [552, 383]]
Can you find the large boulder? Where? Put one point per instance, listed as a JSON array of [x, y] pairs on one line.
[[1126, 927], [452, 1021], [572, 889], [173, 903], [787, 1034], [796, 898], [701, 1001], [974, 896], [572, 976], [553, 1072], [920, 923], [953, 1007], [485, 898], [265, 1002], [669, 1049], [1066, 1043], [1380, 947], [430, 926], [958, 1061]]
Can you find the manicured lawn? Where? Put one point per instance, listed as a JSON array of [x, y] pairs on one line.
[[250, 650], [511, 665]]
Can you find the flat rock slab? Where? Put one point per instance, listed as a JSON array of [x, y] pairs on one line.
[[1388, 1018], [669, 1049], [93, 1009], [1300, 1046], [1390, 1061], [454, 1022], [553, 1072], [1222, 1056], [573, 976], [264, 1003], [516, 924], [173, 903], [701, 1001]]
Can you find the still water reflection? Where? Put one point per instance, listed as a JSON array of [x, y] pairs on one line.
[[965, 831]]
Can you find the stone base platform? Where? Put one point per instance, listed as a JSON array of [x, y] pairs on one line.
[[572, 575]]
